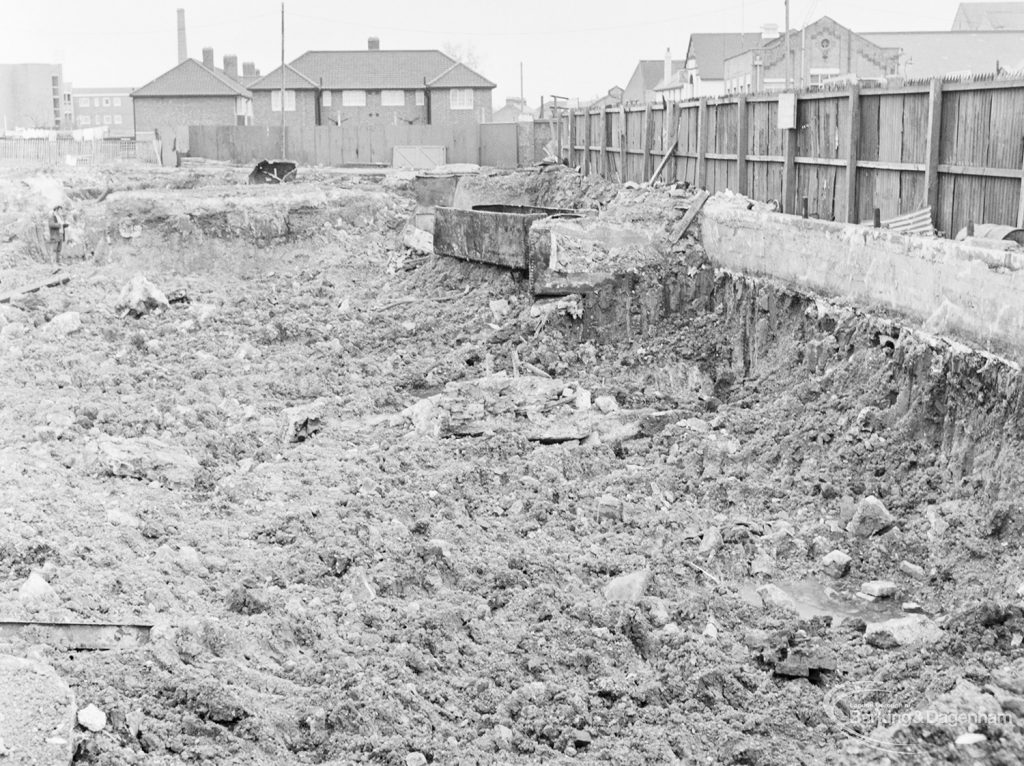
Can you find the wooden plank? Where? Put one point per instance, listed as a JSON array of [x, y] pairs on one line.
[[1020, 203], [571, 128], [648, 141], [893, 166], [604, 142], [820, 162], [789, 172], [680, 228], [664, 161], [852, 145], [702, 142], [973, 170], [586, 142], [742, 148]]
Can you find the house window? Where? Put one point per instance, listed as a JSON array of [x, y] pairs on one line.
[[460, 98], [106, 119], [392, 98], [117, 119], [67, 98], [419, 98], [325, 98], [96, 101], [242, 107], [353, 98], [106, 101], [289, 101], [117, 101], [83, 101], [84, 119]]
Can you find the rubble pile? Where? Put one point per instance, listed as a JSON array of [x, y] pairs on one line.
[[351, 506]]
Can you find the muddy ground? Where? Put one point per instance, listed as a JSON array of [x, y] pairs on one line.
[[375, 504]]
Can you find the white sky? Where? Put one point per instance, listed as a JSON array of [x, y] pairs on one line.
[[568, 49]]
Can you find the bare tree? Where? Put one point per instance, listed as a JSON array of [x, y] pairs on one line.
[[464, 53]]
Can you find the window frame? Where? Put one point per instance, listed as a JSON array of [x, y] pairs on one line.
[[349, 98], [397, 97], [458, 104]]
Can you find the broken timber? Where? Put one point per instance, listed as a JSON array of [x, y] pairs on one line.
[[680, 228], [664, 161], [54, 281]]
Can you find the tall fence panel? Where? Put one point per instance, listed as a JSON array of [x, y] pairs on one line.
[[956, 147]]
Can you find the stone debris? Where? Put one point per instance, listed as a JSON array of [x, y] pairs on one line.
[[970, 738], [628, 588], [65, 324], [360, 589], [912, 630], [711, 541], [415, 759], [143, 457], [913, 570], [418, 240], [37, 714], [774, 596], [302, 422], [36, 588], [140, 297], [92, 718], [836, 564], [870, 518], [879, 588]]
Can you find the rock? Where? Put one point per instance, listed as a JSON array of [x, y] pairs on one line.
[[37, 714], [879, 588], [92, 718], [36, 588], [415, 758], [300, 423], [499, 308], [121, 518], [502, 736], [143, 457], [361, 589], [628, 588], [658, 612], [912, 606], [773, 595], [582, 399], [913, 570], [970, 738], [912, 630], [870, 518], [65, 324], [804, 661], [836, 564], [606, 404], [418, 240], [139, 297], [711, 541]]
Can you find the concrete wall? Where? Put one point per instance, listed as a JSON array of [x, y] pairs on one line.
[[153, 112], [937, 285]]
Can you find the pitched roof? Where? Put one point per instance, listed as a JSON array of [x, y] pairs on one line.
[[989, 16], [191, 78], [294, 80], [379, 70], [711, 49], [935, 54]]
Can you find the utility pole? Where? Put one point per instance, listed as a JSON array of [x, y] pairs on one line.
[[284, 141], [789, 54], [521, 83]]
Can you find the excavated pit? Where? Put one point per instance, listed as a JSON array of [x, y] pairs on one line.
[[377, 504]]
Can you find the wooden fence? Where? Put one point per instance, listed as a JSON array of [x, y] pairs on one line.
[[57, 150], [957, 147], [368, 144]]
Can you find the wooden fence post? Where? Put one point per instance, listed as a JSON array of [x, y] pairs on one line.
[[586, 141], [572, 137], [852, 153], [604, 141], [742, 139], [1020, 203], [702, 142], [931, 173], [645, 172], [789, 169], [623, 139]]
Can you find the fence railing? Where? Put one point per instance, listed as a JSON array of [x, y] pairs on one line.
[[58, 150], [956, 147]]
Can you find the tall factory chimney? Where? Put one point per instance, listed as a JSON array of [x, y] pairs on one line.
[[182, 47]]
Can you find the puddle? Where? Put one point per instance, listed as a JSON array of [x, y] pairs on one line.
[[816, 600]]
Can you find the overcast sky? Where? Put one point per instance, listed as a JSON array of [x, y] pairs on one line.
[[566, 48]]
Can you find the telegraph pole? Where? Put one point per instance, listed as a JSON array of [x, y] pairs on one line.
[[789, 54], [284, 141]]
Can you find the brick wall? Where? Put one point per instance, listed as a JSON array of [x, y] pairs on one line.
[[443, 114], [155, 112], [303, 116]]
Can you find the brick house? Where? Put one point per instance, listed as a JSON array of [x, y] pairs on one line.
[[373, 86], [192, 93], [823, 50]]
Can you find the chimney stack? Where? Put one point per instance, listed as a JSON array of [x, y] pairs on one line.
[[208, 57], [769, 31], [249, 69], [373, 44], [231, 66], [668, 64], [182, 47]]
